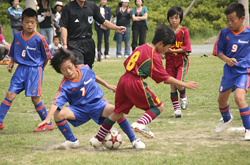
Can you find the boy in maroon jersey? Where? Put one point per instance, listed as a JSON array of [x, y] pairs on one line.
[[177, 59], [144, 62]]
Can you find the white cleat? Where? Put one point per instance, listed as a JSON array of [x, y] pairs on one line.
[[137, 127], [223, 125], [247, 134], [138, 144], [68, 145], [184, 103], [178, 114], [96, 143]]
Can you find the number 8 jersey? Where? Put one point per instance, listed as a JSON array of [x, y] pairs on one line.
[[144, 62], [235, 45]]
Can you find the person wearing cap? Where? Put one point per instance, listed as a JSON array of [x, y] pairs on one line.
[[123, 14], [76, 24], [4, 46], [15, 16], [58, 7], [106, 13]]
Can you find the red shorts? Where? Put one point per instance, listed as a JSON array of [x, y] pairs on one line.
[[177, 66], [131, 90]]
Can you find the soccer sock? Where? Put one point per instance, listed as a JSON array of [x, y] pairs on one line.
[[175, 101], [245, 117], [64, 127], [225, 113], [106, 126], [5, 106], [183, 93], [125, 126], [150, 115], [41, 110]]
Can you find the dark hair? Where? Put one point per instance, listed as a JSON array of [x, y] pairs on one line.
[[29, 12], [141, 1], [235, 7], [175, 10], [11, 2], [56, 37], [165, 34], [61, 56]]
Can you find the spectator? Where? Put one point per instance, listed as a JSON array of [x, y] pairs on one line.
[[4, 46], [45, 19], [55, 45], [58, 7], [15, 16], [123, 14], [139, 24], [100, 29]]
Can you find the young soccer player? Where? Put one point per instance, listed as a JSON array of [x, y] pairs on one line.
[[177, 59], [30, 50], [80, 89], [132, 90], [233, 47]]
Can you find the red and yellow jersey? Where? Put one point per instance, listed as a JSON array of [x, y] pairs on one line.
[[182, 41], [146, 62]]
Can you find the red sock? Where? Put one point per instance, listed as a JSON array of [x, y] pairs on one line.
[[147, 117]]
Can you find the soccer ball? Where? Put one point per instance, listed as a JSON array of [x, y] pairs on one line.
[[113, 139]]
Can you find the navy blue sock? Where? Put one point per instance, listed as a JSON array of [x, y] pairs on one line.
[[4, 107], [64, 127], [245, 117], [225, 113], [125, 126], [41, 110]]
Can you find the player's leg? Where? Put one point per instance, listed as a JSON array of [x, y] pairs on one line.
[[5, 106], [244, 110], [227, 118], [61, 117], [175, 101]]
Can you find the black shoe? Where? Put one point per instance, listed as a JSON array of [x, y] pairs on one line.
[[99, 58]]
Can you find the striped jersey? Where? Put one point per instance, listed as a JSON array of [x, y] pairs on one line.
[[30, 51], [78, 92]]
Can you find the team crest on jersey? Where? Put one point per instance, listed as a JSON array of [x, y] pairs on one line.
[[90, 19]]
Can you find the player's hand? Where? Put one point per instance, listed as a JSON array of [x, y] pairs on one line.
[[231, 62], [111, 87], [10, 67], [192, 85], [46, 121], [121, 29], [163, 56]]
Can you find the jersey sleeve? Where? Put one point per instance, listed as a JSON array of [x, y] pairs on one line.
[[61, 97], [186, 42], [219, 44], [45, 51], [158, 73], [65, 17]]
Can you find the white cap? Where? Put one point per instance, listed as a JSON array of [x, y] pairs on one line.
[[58, 3], [124, 0]]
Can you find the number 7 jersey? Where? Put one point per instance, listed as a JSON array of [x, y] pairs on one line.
[[144, 62], [234, 45]]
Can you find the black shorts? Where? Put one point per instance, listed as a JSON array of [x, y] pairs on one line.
[[84, 50]]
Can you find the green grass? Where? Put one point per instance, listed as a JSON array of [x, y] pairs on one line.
[[190, 140]]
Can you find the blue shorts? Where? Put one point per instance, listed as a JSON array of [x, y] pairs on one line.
[[27, 78], [232, 79], [89, 111]]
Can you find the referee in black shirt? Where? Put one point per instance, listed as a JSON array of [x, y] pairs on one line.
[[76, 22]]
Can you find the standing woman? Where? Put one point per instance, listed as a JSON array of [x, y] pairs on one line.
[[45, 19], [123, 14], [58, 7], [139, 24], [15, 16]]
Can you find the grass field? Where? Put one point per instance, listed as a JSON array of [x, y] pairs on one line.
[[190, 140]]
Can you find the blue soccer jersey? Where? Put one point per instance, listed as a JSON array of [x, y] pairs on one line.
[[30, 51], [235, 45], [79, 92]]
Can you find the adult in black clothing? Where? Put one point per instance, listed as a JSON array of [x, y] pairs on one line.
[[106, 13], [76, 23]]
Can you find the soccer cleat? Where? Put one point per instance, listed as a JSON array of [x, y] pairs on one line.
[[184, 103], [138, 144], [137, 127], [96, 143], [223, 125], [45, 127], [247, 134], [178, 114], [1, 126], [68, 144]]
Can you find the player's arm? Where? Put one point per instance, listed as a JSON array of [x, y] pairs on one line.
[[230, 61], [45, 63], [105, 84], [52, 110], [64, 35], [190, 85], [11, 65], [180, 50]]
